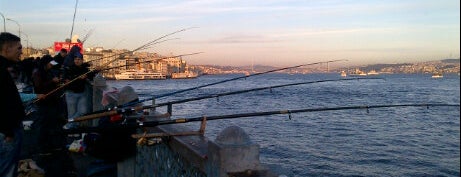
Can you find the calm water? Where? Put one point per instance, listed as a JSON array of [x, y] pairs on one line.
[[405, 141]]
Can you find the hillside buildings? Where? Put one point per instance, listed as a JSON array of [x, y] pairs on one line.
[[119, 61]]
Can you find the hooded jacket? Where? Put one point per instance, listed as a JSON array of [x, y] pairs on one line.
[[69, 59]]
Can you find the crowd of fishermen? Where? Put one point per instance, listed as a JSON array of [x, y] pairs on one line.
[[53, 90], [48, 91], [45, 81]]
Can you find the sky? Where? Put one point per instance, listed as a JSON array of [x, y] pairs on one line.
[[249, 32]]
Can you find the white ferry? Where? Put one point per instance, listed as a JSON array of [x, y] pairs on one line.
[[139, 75], [187, 75], [437, 75], [372, 72], [358, 72]]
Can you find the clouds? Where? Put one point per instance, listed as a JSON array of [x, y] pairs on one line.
[[270, 29]]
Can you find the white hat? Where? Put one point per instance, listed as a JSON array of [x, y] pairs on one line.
[[53, 62]]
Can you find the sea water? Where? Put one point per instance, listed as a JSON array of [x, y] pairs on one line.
[[401, 141]]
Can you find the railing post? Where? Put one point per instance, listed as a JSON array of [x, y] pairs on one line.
[[170, 109], [153, 109], [234, 154]]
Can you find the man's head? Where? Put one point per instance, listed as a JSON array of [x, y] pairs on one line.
[[10, 46], [78, 59], [63, 52]]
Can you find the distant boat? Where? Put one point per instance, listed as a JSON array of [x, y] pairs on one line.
[[372, 72], [188, 75], [437, 75], [357, 72], [343, 74], [139, 75]]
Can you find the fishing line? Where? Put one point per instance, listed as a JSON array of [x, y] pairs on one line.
[[128, 52], [144, 46], [152, 60], [223, 81]]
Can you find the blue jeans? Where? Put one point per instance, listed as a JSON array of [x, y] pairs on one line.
[[76, 104], [9, 154]]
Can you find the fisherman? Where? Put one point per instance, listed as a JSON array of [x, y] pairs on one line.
[[69, 59], [76, 96], [52, 152], [11, 129], [60, 56]]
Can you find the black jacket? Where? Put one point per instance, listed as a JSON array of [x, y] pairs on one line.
[[72, 72], [11, 106], [44, 84]]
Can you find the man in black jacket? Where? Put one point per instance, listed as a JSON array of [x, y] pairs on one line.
[[11, 106]]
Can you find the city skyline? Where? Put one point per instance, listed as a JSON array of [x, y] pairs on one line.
[[276, 33]]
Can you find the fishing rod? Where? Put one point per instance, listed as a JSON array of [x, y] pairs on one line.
[[133, 125], [147, 61], [92, 71], [144, 46], [152, 60], [123, 53], [87, 35], [227, 80], [149, 44], [73, 21], [104, 113]]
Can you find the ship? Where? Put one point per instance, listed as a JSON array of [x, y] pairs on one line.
[[139, 75], [357, 72], [186, 75], [437, 75], [372, 72]]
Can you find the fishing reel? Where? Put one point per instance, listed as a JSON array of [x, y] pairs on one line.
[[123, 116]]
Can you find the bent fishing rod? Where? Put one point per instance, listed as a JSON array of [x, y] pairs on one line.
[[133, 125], [104, 113], [95, 71], [227, 80], [144, 46], [151, 60], [128, 52]]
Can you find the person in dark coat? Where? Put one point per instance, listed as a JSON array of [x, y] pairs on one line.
[[46, 79], [52, 152], [60, 56], [10, 126], [76, 96], [69, 59]]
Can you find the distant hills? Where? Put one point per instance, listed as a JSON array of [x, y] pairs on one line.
[[450, 61], [444, 66], [440, 66]]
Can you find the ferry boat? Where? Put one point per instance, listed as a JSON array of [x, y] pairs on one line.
[[372, 72], [358, 72], [139, 75], [343, 74], [187, 75], [437, 75]]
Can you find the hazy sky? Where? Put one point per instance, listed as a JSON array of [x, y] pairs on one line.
[[245, 32]]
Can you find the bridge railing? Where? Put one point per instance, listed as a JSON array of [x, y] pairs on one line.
[[232, 153]]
